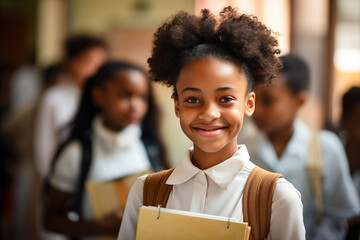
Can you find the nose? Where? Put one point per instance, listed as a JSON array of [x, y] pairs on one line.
[[135, 102], [209, 112]]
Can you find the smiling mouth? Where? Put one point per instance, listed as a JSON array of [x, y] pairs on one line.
[[209, 131]]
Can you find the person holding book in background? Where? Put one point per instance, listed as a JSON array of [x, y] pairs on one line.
[[315, 162], [213, 66], [114, 135]]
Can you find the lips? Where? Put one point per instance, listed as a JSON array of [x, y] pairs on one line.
[[134, 117], [209, 131]]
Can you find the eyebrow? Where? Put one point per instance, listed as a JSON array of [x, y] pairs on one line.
[[225, 89], [217, 90], [190, 89]]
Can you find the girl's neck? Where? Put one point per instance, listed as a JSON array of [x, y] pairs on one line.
[[204, 160], [281, 138], [111, 127]]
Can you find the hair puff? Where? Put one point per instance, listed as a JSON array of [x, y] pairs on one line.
[[247, 40]]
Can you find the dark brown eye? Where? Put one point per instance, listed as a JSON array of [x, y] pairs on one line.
[[226, 99], [192, 100]]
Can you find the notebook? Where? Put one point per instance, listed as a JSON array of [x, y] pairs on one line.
[[107, 197], [163, 223]]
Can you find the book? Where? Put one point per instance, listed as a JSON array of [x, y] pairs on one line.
[[107, 197], [162, 223]]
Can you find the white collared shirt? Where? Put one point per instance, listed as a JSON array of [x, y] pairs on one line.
[[114, 155], [57, 107], [339, 193], [218, 191]]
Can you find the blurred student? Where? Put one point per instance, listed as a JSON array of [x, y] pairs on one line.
[[350, 125], [83, 56], [19, 131], [284, 145], [25, 86], [116, 128], [350, 135]]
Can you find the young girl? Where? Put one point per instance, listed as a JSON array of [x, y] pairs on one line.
[[117, 122], [213, 65]]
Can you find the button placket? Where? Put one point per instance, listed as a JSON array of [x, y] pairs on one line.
[[199, 193]]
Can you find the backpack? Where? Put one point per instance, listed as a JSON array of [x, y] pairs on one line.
[[314, 167], [256, 204]]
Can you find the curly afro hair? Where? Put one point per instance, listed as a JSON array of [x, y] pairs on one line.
[[235, 37]]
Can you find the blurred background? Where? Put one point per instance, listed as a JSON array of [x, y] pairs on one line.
[[326, 33]]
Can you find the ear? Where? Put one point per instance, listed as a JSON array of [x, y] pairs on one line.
[[249, 104], [177, 107], [301, 99], [97, 97]]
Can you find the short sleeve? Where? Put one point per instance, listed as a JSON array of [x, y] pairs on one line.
[[340, 195], [286, 213], [45, 135], [67, 168]]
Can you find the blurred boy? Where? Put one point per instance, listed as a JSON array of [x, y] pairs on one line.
[[283, 146], [83, 56], [350, 123], [350, 136]]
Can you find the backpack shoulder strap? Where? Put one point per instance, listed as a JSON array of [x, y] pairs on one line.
[[314, 167], [156, 191], [154, 154], [86, 150], [257, 201]]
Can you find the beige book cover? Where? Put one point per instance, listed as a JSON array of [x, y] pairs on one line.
[[163, 223], [107, 197]]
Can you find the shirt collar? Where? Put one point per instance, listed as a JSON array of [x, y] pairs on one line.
[[222, 174], [69, 83], [300, 137], [267, 153], [126, 138]]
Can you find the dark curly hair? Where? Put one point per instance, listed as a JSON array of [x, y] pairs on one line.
[[235, 37], [350, 100], [76, 45], [296, 72]]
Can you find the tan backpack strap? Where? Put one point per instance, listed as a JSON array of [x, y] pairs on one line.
[[156, 191], [314, 168], [257, 201]]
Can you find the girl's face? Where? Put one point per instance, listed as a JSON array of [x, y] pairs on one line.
[[123, 99], [276, 106], [211, 103]]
